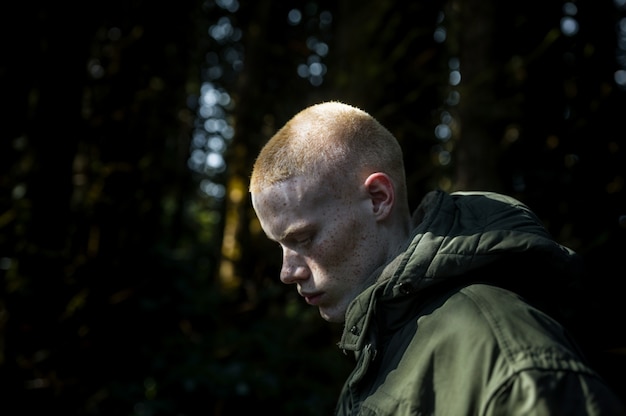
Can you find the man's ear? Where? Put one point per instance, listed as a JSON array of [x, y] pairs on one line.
[[379, 187]]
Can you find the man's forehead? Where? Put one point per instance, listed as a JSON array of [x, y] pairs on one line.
[[293, 192], [292, 199]]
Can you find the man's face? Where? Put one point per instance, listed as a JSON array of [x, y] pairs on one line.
[[328, 235]]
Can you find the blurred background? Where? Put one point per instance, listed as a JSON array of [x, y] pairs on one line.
[[134, 278]]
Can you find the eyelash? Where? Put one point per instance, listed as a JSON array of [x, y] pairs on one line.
[[296, 242]]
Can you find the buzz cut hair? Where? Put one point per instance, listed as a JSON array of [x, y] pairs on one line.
[[329, 138]]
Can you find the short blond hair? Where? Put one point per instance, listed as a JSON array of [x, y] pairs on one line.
[[329, 138]]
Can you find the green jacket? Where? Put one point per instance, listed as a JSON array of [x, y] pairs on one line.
[[439, 333]]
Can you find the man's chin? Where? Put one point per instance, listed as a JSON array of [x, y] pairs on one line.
[[332, 317]]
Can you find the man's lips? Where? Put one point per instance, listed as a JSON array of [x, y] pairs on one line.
[[312, 298]]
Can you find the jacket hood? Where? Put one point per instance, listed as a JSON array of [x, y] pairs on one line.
[[459, 235]]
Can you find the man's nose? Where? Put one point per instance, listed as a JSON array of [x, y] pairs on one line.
[[294, 268]]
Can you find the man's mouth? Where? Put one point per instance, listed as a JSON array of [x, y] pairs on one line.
[[312, 298]]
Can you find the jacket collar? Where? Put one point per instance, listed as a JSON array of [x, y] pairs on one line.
[[390, 281], [454, 235]]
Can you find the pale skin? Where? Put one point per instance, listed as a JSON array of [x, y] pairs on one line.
[[333, 236]]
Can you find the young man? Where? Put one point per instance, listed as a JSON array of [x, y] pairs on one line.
[[424, 297]]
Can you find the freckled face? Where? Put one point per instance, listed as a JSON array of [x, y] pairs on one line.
[[328, 235]]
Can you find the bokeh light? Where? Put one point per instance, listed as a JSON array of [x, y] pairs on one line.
[[314, 69]]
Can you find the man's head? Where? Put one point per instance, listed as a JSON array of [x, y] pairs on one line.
[[330, 188], [324, 137]]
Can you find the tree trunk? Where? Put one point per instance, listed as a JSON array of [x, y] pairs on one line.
[[470, 34]]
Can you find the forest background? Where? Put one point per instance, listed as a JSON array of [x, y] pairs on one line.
[[134, 278]]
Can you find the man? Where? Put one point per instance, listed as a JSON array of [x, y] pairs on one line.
[[424, 298]]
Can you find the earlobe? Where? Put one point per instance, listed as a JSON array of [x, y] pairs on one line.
[[381, 192]]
